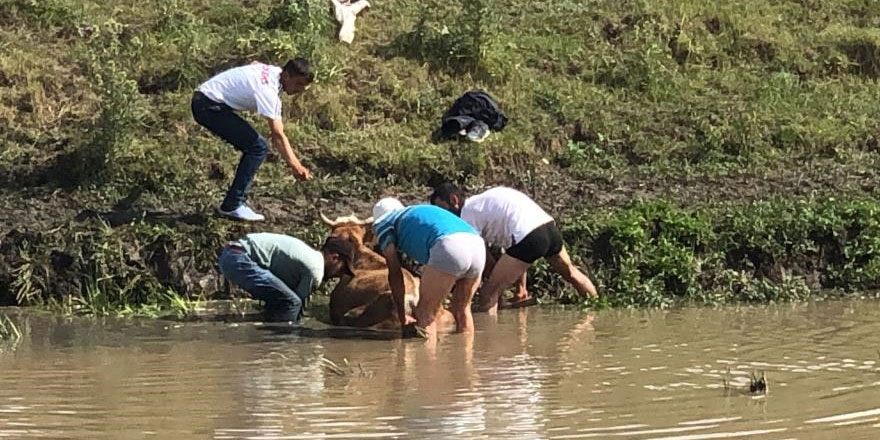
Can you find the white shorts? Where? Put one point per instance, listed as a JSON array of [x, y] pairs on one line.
[[461, 254]]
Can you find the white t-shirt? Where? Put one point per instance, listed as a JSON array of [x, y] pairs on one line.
[[255, 87], [503, 216]]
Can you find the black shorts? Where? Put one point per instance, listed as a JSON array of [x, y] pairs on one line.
[[544, 241]]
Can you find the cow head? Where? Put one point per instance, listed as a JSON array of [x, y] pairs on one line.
[[351, 228]]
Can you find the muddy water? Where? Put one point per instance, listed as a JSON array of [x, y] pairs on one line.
[[529, 374]]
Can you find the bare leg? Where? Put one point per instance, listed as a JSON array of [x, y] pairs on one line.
[[521, 297], [434, 287], [490, 262], [506, 271], [487, 270], [561, 264], [462, 294]]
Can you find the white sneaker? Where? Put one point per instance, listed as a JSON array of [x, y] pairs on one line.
[[243, 212]]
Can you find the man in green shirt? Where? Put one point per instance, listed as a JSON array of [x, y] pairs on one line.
[[282, 271]]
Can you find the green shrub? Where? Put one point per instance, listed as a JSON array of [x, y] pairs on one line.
[[121, 108], [173, 54], [460, 35], [306, 24]]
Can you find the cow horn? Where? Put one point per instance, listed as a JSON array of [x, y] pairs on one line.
[[354, 218], [326, 220]]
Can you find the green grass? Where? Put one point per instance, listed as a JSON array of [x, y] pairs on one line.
[[654, 253], [742, 103]]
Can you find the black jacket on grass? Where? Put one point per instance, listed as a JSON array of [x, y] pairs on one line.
[[473, 106]]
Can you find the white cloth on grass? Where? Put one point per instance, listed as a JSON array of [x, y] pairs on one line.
[[346, 14]]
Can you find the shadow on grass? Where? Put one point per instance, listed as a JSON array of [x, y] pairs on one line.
[[124, 217], [451, 53], [123, 213], [59, 172]]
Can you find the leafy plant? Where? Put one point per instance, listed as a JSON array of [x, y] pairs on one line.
[[23, 279], [181, 306]]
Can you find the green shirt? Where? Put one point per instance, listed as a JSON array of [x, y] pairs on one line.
[[290, 259]]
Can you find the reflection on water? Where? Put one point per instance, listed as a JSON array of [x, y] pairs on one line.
[[526, 374]]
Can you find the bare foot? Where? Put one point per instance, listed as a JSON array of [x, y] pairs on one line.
[[414, 331], [445, 321], [516, 303]]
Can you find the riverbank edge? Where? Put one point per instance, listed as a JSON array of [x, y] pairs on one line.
[[642, 254]]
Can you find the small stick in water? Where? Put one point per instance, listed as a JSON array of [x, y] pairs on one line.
[[330, 365], [758, 385]]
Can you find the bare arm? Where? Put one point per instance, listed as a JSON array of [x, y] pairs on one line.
[[395, 279], [280, 142]]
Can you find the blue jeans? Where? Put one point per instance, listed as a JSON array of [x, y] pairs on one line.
[[221, 120], [282, 303]]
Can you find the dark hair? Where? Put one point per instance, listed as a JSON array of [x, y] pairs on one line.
[[445, 191], [343, 248], [300, 67], [338, 245]]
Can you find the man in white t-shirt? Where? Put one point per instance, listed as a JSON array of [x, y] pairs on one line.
[[509, 219], [255, 87]]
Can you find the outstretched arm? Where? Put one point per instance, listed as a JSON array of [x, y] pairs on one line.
[[282, 144]]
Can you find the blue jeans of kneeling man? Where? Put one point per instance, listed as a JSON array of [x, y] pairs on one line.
[[282, 303]]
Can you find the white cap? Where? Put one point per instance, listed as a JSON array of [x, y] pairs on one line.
[[383, 207]]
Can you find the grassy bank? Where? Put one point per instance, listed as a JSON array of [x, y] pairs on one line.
[[646, 253], [716, 120], [656, 253]]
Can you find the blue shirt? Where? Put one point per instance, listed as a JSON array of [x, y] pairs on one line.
[[415, 229]]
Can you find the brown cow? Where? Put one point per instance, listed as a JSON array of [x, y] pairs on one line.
[[365, 299]]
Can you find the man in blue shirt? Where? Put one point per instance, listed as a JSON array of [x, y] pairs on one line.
[[451, 251]]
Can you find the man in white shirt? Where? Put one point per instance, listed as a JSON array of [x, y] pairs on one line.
[[509, 219], [255, 87]]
